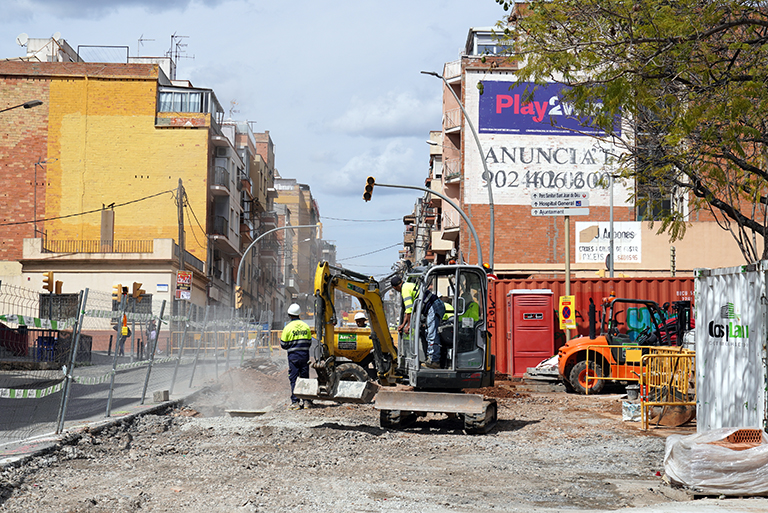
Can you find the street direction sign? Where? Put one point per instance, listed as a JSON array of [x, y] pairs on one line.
[[560, 212], [560, 203], [558, 195]]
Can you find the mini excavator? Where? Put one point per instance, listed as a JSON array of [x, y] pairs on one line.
[[375, 369]]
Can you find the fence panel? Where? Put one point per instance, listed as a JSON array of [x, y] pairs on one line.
[[35, 353]]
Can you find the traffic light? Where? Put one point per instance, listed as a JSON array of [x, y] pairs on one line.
[[48, 283], [369, 188], [59, 284], [117, 291], [138, 292], [238, 297]]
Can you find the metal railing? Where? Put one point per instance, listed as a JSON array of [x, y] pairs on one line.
[[221, 176], [630, 366], [98, 246], [221, 226], [450, 219], [451, 171], [666, 382], [452, 119]]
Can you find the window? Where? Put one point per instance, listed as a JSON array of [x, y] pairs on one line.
[[181, 101]]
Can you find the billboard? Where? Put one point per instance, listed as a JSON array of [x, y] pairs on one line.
[[526, 154], [593, 241], [506, 108]]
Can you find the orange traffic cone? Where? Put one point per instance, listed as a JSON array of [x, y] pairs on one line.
[[124, 331]]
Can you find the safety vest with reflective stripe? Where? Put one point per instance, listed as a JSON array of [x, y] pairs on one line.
[[409, 292], [296, 336]]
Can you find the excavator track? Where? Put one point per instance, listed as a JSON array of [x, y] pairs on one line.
[[481, 423]]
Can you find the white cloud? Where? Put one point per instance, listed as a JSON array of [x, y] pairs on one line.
[[396, 163], [391, 115]]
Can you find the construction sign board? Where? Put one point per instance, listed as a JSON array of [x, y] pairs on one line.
[[567, 309], [184, 285]]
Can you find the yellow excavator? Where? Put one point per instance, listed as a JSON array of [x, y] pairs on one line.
[[343, 367]]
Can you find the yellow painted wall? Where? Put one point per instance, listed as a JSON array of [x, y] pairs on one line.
[[102, 131]]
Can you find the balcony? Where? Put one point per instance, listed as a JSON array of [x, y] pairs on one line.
[[220, 226], [268, 220], [452, 70], [220, 183], [451, 223], [97, 246], [452, 171], [452, 120], [268, 250]]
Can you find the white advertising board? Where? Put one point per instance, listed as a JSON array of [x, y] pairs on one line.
[[525, 154], [730, 359], [593, 241]]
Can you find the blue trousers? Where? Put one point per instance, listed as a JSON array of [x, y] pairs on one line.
[[434, 316], [298, 367]]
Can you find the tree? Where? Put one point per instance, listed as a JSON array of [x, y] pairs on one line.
[[690, 78]]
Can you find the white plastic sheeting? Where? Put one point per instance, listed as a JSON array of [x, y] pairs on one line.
[[694, 462]]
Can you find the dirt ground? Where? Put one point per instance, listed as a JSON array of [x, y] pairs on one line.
[[550, 451]]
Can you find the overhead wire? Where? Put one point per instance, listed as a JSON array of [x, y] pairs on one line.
[[370, 252], [362, 220], [113, 205]]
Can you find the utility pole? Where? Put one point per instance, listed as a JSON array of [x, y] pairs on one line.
[[180, 202]]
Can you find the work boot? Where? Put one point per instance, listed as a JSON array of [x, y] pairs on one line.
[[429, 364], [306, 404], [295, 406]]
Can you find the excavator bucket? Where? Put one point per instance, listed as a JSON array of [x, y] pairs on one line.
[[360, 392]]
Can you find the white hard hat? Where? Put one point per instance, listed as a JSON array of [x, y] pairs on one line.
[[294, 310], [359, 315]]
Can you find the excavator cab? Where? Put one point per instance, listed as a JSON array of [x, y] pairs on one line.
[[465, 359]]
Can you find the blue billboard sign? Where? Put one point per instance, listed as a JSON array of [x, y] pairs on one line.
[[503, 109]]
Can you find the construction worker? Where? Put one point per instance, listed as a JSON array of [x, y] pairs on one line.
[[360, 320], [434, 310], [296, 339]]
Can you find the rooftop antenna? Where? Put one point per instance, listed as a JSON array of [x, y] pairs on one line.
[[140, 44], [177, 47], [232, 109]]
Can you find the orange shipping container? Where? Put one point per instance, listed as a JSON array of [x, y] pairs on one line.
[[661, 290]]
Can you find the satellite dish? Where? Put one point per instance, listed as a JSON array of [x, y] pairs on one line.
[[57, 35], [22, 39]]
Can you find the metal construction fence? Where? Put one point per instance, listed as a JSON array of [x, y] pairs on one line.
[[65, 360], [668, 381]]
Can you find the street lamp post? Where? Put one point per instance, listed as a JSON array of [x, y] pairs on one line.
[[257, 239], [26, 105], [486, 173]]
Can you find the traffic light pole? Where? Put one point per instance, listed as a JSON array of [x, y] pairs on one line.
[[451, 203]]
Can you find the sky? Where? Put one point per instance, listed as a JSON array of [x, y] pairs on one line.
[[336, 83]]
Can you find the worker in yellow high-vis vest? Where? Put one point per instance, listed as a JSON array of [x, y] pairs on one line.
[[434, 310], [296, 339]]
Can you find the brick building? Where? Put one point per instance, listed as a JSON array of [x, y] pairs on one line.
[[527, 160], [95, 179]]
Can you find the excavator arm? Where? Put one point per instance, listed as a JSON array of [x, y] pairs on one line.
[[329, 279]]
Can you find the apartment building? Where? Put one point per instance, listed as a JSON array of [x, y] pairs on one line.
[[116, 167], [531, 167], [306, 250]]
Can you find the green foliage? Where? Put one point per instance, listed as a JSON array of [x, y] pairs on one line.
[[691, 76]]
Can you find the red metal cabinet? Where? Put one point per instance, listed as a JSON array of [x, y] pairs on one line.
[[531, 333]]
